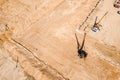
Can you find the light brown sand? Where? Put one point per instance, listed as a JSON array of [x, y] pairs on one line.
[[43, 39], [8, 68]]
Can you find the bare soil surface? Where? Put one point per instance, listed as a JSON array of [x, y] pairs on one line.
[[38, 39]]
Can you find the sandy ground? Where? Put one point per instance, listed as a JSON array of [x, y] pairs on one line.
[[41, 36], [9, 69], [109, 31]]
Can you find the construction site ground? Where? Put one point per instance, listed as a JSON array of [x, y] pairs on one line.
[[40, 44]]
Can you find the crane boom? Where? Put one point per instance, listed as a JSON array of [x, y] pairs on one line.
[[102, 17]]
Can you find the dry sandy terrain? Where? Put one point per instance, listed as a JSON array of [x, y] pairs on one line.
[[8, 68], [40, 43]]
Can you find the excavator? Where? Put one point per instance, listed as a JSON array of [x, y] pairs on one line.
[[97, 25]]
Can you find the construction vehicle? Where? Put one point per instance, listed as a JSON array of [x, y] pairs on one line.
[[118, 12], [117, 4], [97, 25], [81, 52]]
